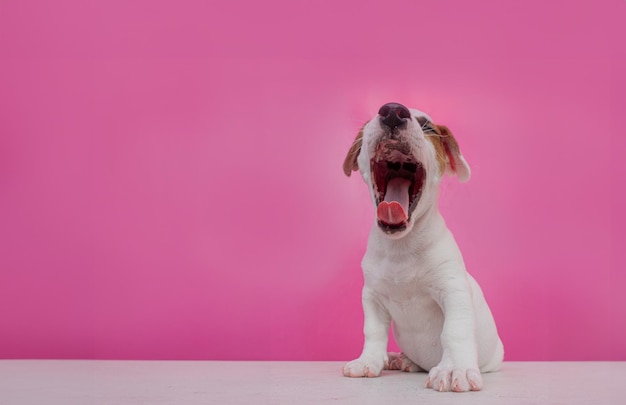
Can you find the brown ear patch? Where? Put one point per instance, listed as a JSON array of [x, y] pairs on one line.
[[440, 152], [450, 144], [446, 148], [350, 163]]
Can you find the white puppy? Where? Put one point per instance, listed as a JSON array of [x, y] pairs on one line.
[[415, 278]]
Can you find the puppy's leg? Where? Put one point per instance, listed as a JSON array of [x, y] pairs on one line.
[[458, 369], [374, 357], [399, 361]]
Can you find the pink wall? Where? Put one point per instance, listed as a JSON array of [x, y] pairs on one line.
[[171, 183]]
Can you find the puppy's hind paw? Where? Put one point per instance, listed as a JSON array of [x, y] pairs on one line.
[[399, 361]]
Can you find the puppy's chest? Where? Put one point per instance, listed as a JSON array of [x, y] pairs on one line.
[[401, 285]]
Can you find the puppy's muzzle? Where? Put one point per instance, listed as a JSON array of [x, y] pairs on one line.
[[397, 176]]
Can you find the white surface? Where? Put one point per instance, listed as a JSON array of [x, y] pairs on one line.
[[211, 382]]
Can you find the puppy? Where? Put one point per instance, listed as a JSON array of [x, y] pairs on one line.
[[415, 278]]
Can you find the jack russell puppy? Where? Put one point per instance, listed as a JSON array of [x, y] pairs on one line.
[[415, 278]]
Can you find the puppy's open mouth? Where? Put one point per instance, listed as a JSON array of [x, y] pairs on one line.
[[398, 180]]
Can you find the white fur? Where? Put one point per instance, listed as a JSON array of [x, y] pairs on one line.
[[416, 281]]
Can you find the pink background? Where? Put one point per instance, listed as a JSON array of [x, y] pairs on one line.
[[171, 183]]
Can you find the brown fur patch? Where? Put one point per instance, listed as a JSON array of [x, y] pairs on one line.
[[350, 163], [451, 146], [446, 148], [440, 152]]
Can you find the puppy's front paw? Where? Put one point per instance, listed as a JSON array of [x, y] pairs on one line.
[[366, 366], [454, 379]]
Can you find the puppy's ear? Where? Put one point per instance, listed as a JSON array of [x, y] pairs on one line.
[[350, 163], [451, 158]]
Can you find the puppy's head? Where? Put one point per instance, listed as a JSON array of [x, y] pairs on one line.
[[402, 156]]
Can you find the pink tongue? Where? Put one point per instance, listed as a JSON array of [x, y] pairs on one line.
[[393, 211]]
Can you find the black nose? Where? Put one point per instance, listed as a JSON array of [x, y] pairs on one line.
[[394, 115]]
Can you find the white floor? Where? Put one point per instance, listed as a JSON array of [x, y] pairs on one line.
[[210, 382]]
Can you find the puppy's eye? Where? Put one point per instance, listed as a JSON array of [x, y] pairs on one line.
[[427, 126]]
